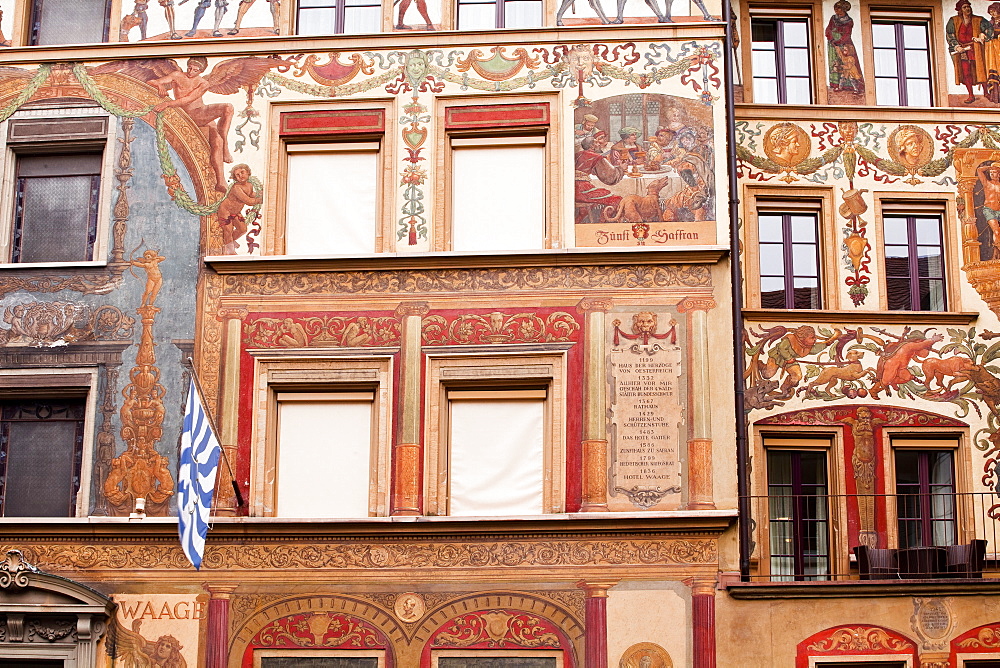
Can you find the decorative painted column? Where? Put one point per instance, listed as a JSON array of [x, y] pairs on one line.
[[700, 483], [407, 451], [217, 639], [596, 623], [229, 405], [595, 406], [703, 621]]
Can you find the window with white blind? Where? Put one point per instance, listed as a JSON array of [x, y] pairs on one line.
[[494, 469], [498, 193], [324, 454], [332, 198], [69, 21]]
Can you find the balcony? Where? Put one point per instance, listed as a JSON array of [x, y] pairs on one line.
[[882, 537]]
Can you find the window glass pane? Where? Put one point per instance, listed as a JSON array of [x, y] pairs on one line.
[[522, 14], [765, 91], [797, 91], [803, 228], [362, 20], [316, 21], [769, 227], [496, 471], [477, 17], [918, 93], [497, 662], [772, 292], [928, 230], [894, 231], [804, 260], [763, 33], [916, 64], [887, 91], [796, 33], [797, 62], [324, 458], [772, 260], [914, 36], [484, 215], [932, 296], [70, 21], [57, 218], [806, 293], [898, 293], [884, 35], [885, 63], [929, 261], [764, 64], [317, 662], [328, 215]]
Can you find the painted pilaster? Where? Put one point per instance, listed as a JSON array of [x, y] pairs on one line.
[[595, 407], [700, 480], [407, 451], [596, 620], [703, 621], [217, 639], [232, 319]]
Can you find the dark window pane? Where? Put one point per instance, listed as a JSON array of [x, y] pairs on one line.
[[69, 21], [798, 507], [925, 497], [41, 448], [318, 662], [914, 263]]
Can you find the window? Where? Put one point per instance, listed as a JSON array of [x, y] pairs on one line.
[[317, 658], [902, 63], [496, 659], [322, 474], [484, 141], [334, 181], [336, 17], [56, 205], [476, 469], [496, 471], [638, 110], [69, 21], [490, 14], [789, 259], [798, 511], [925, 496], [914, 263], [41, 456], [780, 60]]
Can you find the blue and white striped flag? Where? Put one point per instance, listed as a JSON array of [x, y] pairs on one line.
[[196, 477]]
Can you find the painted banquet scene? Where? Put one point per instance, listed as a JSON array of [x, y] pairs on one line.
[[499, 334]]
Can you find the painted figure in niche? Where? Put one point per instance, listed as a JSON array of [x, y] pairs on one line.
[[892, 369], [967, 33], [199, 13], [592, 161], [421, 9], [168, 11], [845, 69], [134, 650], [992, 52], [230, 211], [247, 4], [137, 19], [787, 353], [988, 175]]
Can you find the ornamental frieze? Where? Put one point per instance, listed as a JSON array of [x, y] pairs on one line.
[[349, 555], [498, 327], [321, 332], [471, 280]]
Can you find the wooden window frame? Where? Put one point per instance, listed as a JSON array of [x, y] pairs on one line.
[[812, 11], [279, 374], [919, 10], [61, 382], [801, 438], [72, 138], [492, 373], [939, 204], [482, 133], [792, 198], [350, 127], [930, 438]]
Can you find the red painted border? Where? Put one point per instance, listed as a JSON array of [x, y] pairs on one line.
[[983, 639], [301, 620], [488, 116], [332, 122]]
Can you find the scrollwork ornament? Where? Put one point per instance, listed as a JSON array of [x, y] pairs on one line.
[[860, 638], [14, 571]]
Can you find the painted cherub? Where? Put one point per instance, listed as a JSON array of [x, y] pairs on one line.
[[230, 212], [150, 261]]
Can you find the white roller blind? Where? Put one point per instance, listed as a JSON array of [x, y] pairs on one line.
[[497, 464], [498, 198], [331, 202], [324, 458]]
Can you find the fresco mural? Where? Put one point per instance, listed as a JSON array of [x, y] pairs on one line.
[[202, 18], [846, 79], [658, 167]]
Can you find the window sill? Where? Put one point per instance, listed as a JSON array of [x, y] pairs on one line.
[[229, 264], [83, 264], [902, 317]]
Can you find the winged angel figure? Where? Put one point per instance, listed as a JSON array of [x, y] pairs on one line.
[[132, 650], [189, 86]]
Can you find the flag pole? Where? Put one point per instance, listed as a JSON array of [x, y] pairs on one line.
[[215, 430]]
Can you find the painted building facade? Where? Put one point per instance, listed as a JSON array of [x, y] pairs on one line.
[[866, 146], [453, 278]]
